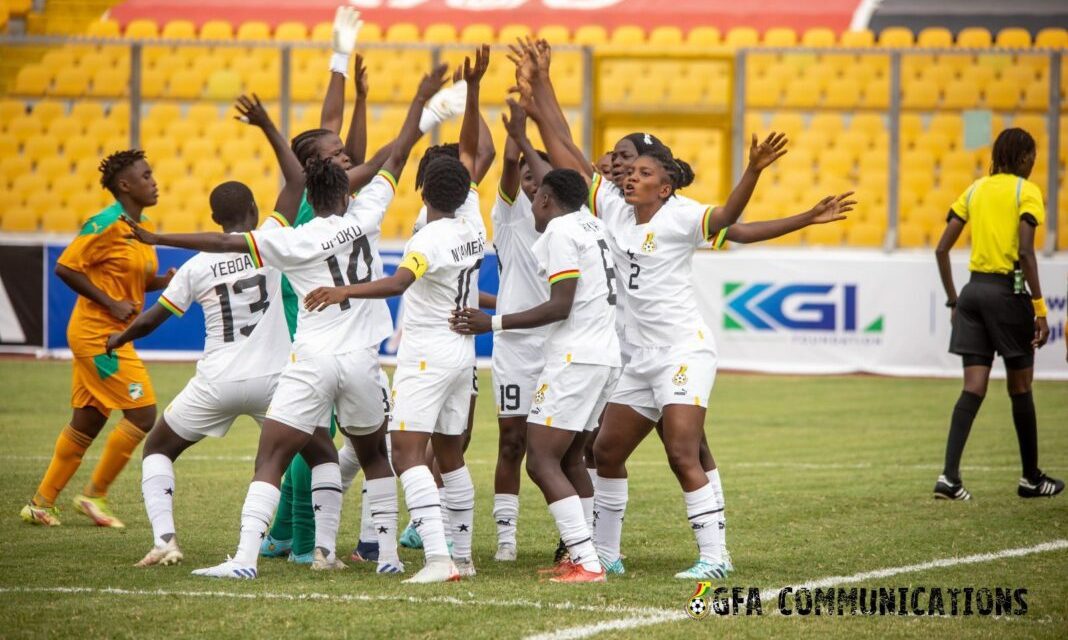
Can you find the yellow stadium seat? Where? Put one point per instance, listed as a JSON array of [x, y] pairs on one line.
[[957, 161], [742, 37], [209, 171], [590, 34], [142, 29], [65, 127], [45, 111], [19, 218], [961, 94], [24, 127], [895, 37], [203, 113], [978, 76], [800, 92], [703, 36], [864, 234], [70, 83], [974, 38], [763, 92], [510, 32], [920, 95], [876, 94], [9, 146], [780, 37], [1014, 38], [27, 184], [1052, 38], [39, 147], [253, 30], [264, 84], [110, 82], [1001, 95], [223, 84], [402, 32], [324, 32], [912, 235], [104, 28], [949, 124], [840, 95], [1036, 96], [665, 37], [81, 147], [293, 32], [553, 34], [60, 218], [198, 150], [628, 35], [179, 30], [10, 108], [12, 167], [857, 39], [816, 37], [185, 84], [827, 235], [934, 37], [440, 34], [32, 80], [216, 30], [477, 34], [61, 58]]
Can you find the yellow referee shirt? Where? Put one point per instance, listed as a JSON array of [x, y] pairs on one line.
[[994, 205]]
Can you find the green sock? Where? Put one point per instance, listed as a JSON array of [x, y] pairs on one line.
[[282, 529]]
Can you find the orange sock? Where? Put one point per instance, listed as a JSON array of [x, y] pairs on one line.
[[120, 446], [66, 458]]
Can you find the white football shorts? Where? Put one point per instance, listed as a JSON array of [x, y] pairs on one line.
[[518, 360], [207, 408], [657, 377], [431, 400], [311, 387], [572, 395]]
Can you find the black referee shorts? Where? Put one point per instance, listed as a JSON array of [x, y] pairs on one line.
[[989, 318]]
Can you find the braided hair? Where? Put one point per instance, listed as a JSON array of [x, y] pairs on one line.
[[116, 163], [304, 144], [1013, 150], [680, 174], [447, 150], [327, 184], [644, 142], [568, 187], [446, 184]]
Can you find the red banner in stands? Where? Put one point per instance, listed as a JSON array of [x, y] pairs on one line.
[[685, 14]]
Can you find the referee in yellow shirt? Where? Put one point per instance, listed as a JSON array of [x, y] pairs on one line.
[[995, 311]]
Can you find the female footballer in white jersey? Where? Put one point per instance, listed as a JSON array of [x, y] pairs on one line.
[[334, 359]]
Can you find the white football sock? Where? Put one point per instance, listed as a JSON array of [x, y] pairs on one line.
[[444, 501], [380, 496], [368, 527], [421, 496], [717, 488], [349, 463], [506, 515], [587, 511], [705, 518], [260, 504], [326, 504], [460, 493], [573, 531], [609, 506], [157, 487]]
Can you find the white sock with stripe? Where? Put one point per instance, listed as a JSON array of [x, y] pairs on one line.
[[705, 518], [609, 507], [157, 488], [717, 488], [460, 494], [573, 531], [421, 496], [260, 504], [326, 504], [506, 515], [380, 496]]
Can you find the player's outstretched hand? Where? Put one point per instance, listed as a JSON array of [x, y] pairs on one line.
[[762, 154], [469, 321], [139, 233], [473, 72], [1041, 333], [832, 208], [432, 82], [252, 112], [323, 297], [347, 25], [515, 122], [359, 71], [112, 343]]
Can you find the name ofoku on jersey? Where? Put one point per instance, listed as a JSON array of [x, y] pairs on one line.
[[348, 234]]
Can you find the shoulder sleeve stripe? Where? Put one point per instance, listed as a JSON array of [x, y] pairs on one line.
[[170, 306], [389, 178], [721, 239], [504, 196], [563, 275], [279, 218], [474, 186], [253, 250], [595, 186], [706, 221]]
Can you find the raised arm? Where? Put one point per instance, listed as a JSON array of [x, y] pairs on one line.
[[516, 126], [510, 177], [760, 157], [470, 321], [1029, 266], [209, 242], [347, 25], [470, 129], [387, 287], [356, 140], [830, 209], [288, 203], [142, 325], [486, 153], [410, 133]]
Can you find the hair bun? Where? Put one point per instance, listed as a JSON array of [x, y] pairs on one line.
[[686, 175]]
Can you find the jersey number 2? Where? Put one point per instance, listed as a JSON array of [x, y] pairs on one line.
[[362, 246], [259, 282]]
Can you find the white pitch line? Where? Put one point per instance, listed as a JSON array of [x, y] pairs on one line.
[[662, 616], [341, 597]]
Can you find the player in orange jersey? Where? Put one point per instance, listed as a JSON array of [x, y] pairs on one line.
[[110, 272]]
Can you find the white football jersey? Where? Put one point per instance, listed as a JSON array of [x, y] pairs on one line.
[[574, 246], [245, 333], [334, 251], [449, 252], [654, 261], [514, 235], [470, 209]]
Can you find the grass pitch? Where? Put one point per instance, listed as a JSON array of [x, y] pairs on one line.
[[824, 476]]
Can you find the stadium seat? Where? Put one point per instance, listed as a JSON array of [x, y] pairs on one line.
[[1014, 38], [19, 219], [780, 37], [1001, 95], [974, 38], [590, 34], [509, 33], [65, 127], [912, 235], [45, 111], [294, 32], [440, 34], [553, 34], [895, 37], [827, 235], [185, 84], [105, 28], [253, 30], [665, 37], [32, 80], [179, 30], [703, 36], [960, 94], [70, 83], [142, 29], [11, 167], [863, 234], [800, 92], [477, 34], [10, 108], [216, 30], [763, 92], [1052, 38], [9, 147], [223, 84], [816, 37], [742, 37], [402, 32], [110, 82], [934, 37], [920, 95], [857, 39], [1036, 96]]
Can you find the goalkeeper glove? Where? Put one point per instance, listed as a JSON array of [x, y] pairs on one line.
[[347, 25]]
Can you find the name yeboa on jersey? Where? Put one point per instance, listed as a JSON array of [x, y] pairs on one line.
[[574, 246], [334, 251], [245, 333], [514, 236], [444, 256], [655, 263]]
